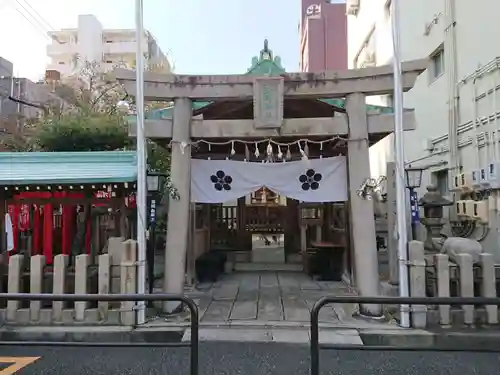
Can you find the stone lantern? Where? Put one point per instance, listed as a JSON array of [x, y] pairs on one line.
[[433, 203]]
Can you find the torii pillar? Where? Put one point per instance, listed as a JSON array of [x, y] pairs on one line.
[[362, 212], [178, 210]]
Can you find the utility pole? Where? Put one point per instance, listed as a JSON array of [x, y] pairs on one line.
[[141, 163]]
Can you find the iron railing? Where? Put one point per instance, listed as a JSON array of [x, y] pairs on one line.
[[315, 346], [193, 344]]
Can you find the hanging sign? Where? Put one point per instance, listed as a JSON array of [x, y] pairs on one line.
[[415, 214], [268, 102]]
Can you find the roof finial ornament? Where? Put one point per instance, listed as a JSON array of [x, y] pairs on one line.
[[266, 53]]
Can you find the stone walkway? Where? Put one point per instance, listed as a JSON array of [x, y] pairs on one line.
[[268, 297], [280, 299]]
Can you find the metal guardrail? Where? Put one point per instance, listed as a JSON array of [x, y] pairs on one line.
[[315, 346], [193, 308]]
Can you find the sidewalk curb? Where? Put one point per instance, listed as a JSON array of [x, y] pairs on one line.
[[466, 340], [90, 334]]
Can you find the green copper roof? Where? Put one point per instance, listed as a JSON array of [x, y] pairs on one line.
[[31, 168], [264, 65]]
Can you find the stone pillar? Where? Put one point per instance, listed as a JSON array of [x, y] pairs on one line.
[[14, 284], [442, 269], [60, 268], [128, 280], [81, 279], [362, 213], [488, 286], [37, 263], [178, 210], [416, 254], [104, 284], [466, 275]]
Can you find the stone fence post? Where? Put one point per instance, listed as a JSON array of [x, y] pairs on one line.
[[488, 285], [104, 284], [466, 282], [37, 264], [81, 282], [442, 265], [60, 271], [417, 282], [128, 279], [14, 284]]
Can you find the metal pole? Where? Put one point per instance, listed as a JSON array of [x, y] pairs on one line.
[[401, 228], [141, 163]]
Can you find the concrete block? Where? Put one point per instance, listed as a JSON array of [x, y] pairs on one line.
[[488, 285], [442, 264], [466, 274], [104, 280], [59, 287], [14, 283], [81, 280], [37, 264], [416, 254]]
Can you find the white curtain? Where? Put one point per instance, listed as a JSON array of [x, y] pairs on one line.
[[9, 233], [314, 180]]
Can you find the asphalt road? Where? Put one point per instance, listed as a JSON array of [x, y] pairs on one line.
[[244, 359]]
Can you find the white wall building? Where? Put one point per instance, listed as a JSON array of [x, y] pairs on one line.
[[457, 100], [89, 41]]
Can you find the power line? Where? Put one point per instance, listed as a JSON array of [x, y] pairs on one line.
[[36, 27], [40, 24], [50, 27]]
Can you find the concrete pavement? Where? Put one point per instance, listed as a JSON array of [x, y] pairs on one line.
[[244, 359]]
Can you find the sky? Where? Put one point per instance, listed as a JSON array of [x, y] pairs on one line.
[[199, 36]]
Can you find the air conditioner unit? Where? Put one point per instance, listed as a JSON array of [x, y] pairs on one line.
[[461, 208], [483, 178], [480, 211], [466, 180], [352, 7], [475, 178], [493, 174], [470, 208]]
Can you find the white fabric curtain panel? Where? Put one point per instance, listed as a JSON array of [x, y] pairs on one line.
[[313, 180]]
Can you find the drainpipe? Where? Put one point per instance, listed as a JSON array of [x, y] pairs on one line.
[[453, 98], [476, 123]]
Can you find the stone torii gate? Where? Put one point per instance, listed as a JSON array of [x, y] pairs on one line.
[[268, 94]]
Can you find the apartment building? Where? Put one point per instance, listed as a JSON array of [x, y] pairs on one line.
[[456, 100], [323, 35], [89, 41]]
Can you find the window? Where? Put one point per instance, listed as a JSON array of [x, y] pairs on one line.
[[437, 64]]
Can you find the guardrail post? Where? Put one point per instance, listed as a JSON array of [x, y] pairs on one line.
[[128, 280], [37, 264], [59, 287], [488, 286], [14, 284], [81, 280], [442, 264], [417, 282], [104, 281], [466, 275]]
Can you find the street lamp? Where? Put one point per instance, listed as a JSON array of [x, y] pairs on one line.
[[413, 177], [154, 183], [413, 181]]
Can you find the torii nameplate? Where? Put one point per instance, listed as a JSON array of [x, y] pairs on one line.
[[268, 102]]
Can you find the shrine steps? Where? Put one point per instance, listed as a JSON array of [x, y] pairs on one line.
[[257, 267]]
